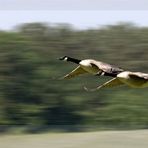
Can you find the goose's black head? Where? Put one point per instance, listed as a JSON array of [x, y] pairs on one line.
[[65, 58], [69, 59]]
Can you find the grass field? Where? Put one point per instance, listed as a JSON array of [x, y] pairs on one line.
[[102, 139]]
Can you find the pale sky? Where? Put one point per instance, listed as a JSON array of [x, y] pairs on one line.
[[79, 19], [73, 4], [82, 14]]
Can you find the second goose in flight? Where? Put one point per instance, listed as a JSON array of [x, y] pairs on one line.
[[91, 66], [131, 79]]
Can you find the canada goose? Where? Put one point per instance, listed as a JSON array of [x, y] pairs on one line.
[[131, 79], [91, 66]]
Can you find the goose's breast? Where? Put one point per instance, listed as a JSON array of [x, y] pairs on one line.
[[87, 66]]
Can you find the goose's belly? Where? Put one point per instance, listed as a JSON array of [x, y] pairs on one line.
[[135, 83], [90, 69]]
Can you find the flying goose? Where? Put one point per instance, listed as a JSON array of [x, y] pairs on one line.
[[91, 66], [131, 79]]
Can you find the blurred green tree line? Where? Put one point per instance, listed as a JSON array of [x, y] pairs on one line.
[[31, 94]]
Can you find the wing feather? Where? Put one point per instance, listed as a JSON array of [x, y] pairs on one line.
[[111, 83], [77, 71], [139, 76]]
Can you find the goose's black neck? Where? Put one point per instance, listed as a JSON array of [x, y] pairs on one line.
[[73, 60], [110, 74]]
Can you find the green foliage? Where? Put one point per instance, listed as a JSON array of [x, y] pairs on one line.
[[30, 94]]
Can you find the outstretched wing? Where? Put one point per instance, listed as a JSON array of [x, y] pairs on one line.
[[138, 79], [111, 83], [77, 71], [139, 76]]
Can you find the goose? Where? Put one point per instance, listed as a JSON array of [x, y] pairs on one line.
[[131, 79], [91, 66]]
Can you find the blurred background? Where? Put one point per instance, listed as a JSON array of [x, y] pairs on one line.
[[33, 100]]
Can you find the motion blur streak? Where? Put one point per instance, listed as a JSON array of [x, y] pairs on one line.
[[31, 97]]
